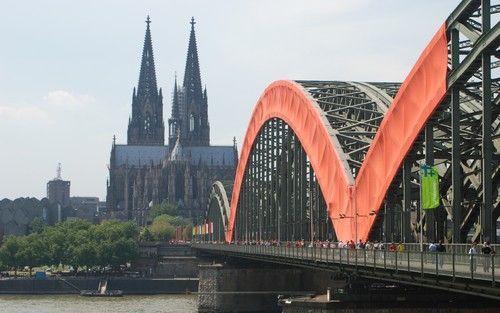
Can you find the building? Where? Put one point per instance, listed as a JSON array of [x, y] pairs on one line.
[[58, 190], [16, 215], [86, 208], [145, 171]]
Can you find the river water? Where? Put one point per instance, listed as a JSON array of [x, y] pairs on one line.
[[77, 304]]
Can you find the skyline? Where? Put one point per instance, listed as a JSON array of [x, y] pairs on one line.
[[64, 101]]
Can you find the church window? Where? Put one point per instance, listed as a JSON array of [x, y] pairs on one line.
[[147, 125], [191, 122]]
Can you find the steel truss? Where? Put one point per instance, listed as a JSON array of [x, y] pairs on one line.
[[217, 212], [280, 197]]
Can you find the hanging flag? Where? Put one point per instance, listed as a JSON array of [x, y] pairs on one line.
[[429, 186], [211, 227]]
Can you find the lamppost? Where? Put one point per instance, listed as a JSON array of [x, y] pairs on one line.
[[355, 217]]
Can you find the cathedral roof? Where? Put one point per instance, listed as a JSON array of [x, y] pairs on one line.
[[139, 155], [201, 155], [210, 155]]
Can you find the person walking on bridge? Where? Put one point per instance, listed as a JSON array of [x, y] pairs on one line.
[[472, 254], [440, 248], [486, 251]]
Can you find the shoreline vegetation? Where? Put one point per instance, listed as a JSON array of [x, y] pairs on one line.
[[77, 245]]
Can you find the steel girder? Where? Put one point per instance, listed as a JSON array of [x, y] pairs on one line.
[[218, 211], [280, 198]]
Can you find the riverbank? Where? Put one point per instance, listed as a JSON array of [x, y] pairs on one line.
[[73, 285]]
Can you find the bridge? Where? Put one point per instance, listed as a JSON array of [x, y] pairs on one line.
[[340, 160]]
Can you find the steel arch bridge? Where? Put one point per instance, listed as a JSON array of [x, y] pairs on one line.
[[332, 160]]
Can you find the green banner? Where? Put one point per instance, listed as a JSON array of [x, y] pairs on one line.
[[429, 180]]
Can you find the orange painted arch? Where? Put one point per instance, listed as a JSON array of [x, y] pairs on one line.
[[419, 96]]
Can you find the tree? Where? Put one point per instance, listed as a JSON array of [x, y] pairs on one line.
[[116, 253], [32, 251], [146, 235], [9, 253], [74, 242], [37, 225], [188, 231], [162, 229], [163, 208], [114, 230]]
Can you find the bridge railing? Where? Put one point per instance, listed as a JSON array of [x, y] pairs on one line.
[[437, 264], [458, 248]]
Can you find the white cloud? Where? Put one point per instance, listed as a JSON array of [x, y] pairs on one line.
[[22, 113], [63, 98]]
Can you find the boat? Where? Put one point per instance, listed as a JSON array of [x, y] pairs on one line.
[[102, 291]]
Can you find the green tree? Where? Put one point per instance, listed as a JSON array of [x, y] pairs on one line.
[[163, 208], [63, 238], [162, 229], [9, 253], [85, 254], [146, 235], [33, 251], [116, 253], [37, 225], [114, 230], [188, 231]]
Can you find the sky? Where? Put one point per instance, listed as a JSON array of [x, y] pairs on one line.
[[68, 68]]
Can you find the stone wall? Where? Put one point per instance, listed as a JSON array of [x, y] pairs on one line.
[[245, 289], [127, 285], [177, 267]]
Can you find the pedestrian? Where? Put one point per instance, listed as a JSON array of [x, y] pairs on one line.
[[393, 250], [360, 245], [432, 247], [440, 248], [392, 247], [472, 256], [486, 251]]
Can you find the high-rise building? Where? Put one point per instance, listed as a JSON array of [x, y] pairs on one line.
[[58, 190]]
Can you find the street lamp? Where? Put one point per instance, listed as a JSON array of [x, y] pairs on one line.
[[342, 216]]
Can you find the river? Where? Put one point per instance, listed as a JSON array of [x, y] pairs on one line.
[[77, 304]]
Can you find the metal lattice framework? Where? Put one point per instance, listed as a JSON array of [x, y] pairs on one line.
[[218, 211], [284, 191]]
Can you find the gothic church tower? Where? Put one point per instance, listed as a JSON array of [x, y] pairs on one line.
[[146, 125], [189, 119]]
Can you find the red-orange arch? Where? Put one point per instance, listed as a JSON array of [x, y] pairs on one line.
[[419, 96], [288, 101]]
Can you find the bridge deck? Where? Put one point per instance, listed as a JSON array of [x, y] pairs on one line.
[[474, 274]]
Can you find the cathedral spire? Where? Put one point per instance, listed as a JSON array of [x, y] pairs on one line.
[[147, 76], [146, 126], [175, 104], [192, 79]]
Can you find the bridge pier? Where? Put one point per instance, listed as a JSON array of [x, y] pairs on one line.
[[254, 287], [230, 288]]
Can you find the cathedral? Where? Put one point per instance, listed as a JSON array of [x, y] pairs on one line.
[[145, 172]]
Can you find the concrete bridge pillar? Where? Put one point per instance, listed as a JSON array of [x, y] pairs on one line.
[[245, 288]]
